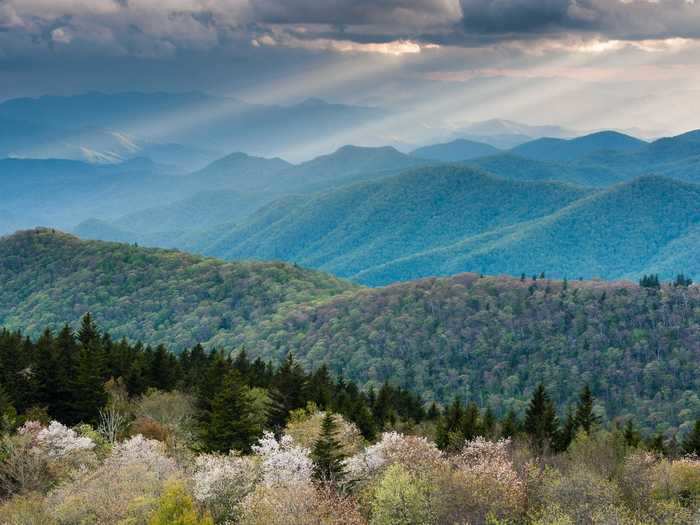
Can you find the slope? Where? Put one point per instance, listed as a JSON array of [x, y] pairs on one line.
[[611, 234], [359, 226], [50, 278]]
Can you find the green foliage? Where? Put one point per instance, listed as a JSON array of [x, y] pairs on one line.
[[691, 443], [176, 507], [327, 453], [157, 296], [541, 422], [231, 423]]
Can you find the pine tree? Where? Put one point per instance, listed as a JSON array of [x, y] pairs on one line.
[[231, 425], [288, 392], [541, 420], [469, 424], [327, 453], [510, 425], [7, 411], [567, 433], [584, 418], [691, 443], [631, 434]]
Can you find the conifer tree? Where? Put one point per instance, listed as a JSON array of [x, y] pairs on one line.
[[7, 411], [510, 425], [691, 443], [231, 424], [568, 431], [541, 420], [327, 453], [631, 434], [288, 392], [469, 424], [584, 418]]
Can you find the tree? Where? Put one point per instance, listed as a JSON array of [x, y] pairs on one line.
[[7, 411], [327, 453], [682, 281], [288, 392], [691, 443], [231, 423], [176, 507], [584, 418], [541, 420]]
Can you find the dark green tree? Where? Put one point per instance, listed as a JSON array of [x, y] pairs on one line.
[[691, 443], [584, 418], [231, 425], [289, 392], [327, 453], [541, 422]]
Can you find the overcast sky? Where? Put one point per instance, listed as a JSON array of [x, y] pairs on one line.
[[585, 64]]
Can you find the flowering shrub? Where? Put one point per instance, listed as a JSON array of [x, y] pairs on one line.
[[298, 503], [59, 441], [283, 461], [413, 452], [142, 451], [221, 482]]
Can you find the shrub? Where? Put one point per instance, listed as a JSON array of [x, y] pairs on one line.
[[222, 482], [299, 503], [412, 452], [25, 510], [176, 507]]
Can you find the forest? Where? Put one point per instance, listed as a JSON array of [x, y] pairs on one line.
[[486, 338], [111, 432]]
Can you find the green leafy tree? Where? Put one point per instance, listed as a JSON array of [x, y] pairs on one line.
[[176, 507], [327, 453]]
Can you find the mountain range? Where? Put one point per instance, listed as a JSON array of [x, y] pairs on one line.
[[488, 339], [349, 213]]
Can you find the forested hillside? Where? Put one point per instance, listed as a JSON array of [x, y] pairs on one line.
[[451, 219], [624, 232], [488, 339], [50, 278], [355, 228]]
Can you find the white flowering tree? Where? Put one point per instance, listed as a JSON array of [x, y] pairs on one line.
[[222, 482], [283, 461]]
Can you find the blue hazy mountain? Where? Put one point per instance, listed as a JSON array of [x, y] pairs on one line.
[[108, 125], [455, 151], [557, 149]]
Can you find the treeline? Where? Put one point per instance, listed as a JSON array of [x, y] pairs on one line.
[[62, 376], [68, 377]]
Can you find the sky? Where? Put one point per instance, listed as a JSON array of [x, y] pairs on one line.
[[583, 64]]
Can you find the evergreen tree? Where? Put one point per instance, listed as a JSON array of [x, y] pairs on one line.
[[584, 417], [541, 420], [691, 443], [567, 433], [510, 425], [327, 453], [631, 435], [288, 392], [231, 424], [469, 424], [7, 411]]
